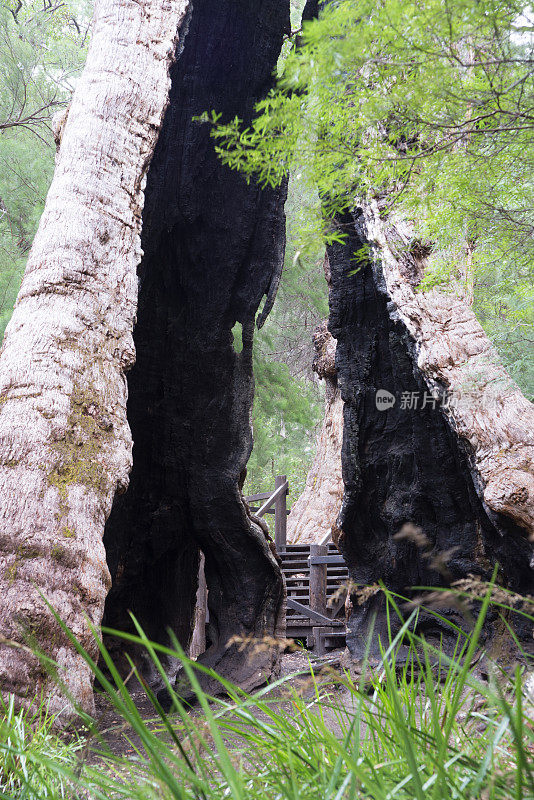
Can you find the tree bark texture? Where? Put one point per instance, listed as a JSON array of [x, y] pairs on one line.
[[460, 477], [213, 249], [315, 512], [198, 638], [65, 446]]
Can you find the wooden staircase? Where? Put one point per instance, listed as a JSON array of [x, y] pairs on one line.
[[313, 616], [316, 576]]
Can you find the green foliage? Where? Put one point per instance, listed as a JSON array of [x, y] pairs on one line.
[[27, 743], [504, 303], [426, 106], [289, 403], [421, 724], [42, 49], [285, 421]]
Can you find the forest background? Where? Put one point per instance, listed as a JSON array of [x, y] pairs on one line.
[[42, 50]]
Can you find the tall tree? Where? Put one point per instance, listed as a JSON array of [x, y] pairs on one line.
[[399, 104], [438, 449], [65, 446], [42, 51], [213, 249]]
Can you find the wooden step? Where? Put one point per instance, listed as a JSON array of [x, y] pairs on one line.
[[296, 570], [294, 616], [332, 572]]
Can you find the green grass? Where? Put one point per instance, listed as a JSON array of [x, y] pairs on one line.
[[28, 742], [427, 728]]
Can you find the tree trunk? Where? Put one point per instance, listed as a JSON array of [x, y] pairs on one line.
[[213, 249], [65, 446], [315, 512], [434, 490]]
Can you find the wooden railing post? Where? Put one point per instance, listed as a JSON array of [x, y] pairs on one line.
[[318, 579], [280, 516]]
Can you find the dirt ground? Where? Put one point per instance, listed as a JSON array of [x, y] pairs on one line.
[[118, 739]]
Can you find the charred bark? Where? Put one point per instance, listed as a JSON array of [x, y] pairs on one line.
[[213, 248], [462, 475]]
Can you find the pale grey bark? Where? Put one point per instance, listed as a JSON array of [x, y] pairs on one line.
[[486, 407], [65, 446], [313, 515], [198, 639]]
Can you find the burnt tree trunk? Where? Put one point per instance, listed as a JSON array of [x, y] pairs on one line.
[[213, 249], [65, 446], [461, 476]]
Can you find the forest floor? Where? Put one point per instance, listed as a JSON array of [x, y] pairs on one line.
[[120, 741]]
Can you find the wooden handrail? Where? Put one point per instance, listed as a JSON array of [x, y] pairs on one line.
[[260, 496], [271, 500], [306, 611], [280, 511], [333, 560], [327, 538]]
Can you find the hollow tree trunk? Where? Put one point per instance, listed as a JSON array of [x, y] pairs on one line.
[[65, 446], [315, 512], [213, 248], [463, 475]]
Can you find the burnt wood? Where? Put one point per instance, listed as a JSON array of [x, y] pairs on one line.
[[214, 248], [404, 466]]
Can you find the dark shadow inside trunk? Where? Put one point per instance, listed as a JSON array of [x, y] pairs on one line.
[[213, 248]]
